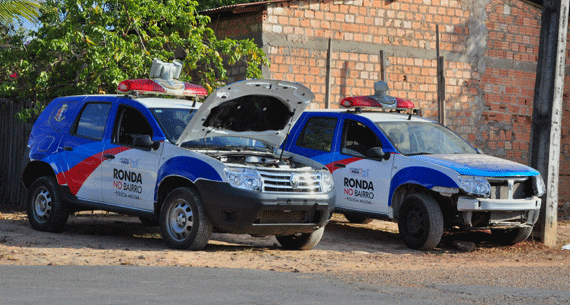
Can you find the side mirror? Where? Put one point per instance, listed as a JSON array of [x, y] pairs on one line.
[[377, 153], [145, 141]]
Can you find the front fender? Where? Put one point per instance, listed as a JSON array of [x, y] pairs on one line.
[[419, 175], [187, 167]]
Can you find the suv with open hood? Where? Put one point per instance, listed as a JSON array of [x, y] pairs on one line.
[[187, 166]]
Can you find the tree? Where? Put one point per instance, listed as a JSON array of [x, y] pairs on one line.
[[89, 46], [20, 10]]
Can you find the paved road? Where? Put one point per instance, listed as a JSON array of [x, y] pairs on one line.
[[184, 285]]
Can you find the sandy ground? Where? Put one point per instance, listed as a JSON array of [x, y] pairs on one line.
[[111, 239]]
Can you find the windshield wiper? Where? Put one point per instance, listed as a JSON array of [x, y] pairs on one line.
[[421, 153]]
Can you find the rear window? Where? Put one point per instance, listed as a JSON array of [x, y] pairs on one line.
[[92, 121], [318, 134]]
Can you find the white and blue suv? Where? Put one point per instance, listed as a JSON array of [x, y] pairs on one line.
[[399, 166], [187, 166]]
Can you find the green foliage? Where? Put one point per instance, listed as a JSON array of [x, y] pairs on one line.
[[20, 10], [89, 46]]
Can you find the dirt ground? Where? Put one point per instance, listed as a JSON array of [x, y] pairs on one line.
[[100, 238]]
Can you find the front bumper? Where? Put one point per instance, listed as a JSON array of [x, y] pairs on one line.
[[485, 212], [484, 204], [233, 210]]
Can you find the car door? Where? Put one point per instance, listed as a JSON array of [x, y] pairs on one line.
[[81, 150], [130, 170], [362, 183]]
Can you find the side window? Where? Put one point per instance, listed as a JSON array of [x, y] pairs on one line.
[[92, 121], [130, 123], [358, 139], [318, 134]]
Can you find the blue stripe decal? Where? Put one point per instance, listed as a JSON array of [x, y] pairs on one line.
[[423, 176], [188, 167]]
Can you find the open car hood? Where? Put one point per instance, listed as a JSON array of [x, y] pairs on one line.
[[259, 109]]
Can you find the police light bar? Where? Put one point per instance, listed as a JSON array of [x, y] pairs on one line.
[[156, 86], [163, 81], [378, 100], [367, 101]]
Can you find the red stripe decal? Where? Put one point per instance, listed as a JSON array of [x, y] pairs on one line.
[[77, 175]]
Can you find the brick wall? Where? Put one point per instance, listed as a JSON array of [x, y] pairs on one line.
[[490, 49]]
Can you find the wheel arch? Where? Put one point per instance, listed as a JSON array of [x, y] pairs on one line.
[[410, 188], [167, 185], [34, 170]]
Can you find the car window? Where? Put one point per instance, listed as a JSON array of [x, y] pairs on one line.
[[130, 123], [416, 138], [92, 121], [173, 120], [318, 133], [358, 138]]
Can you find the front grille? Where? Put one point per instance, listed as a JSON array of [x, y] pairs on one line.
[[290, 182], [511, 187]]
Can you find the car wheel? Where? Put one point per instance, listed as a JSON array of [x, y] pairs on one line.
[[420, 222], [357, 219], [46, 211], [183, 223], [301, 241], [511, 236]]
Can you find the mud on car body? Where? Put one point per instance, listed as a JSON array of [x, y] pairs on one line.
[[399, 166], [190, 167]]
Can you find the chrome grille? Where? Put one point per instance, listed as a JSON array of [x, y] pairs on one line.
[[290, 181]]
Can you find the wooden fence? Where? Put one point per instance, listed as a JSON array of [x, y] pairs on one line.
[[13, 140]]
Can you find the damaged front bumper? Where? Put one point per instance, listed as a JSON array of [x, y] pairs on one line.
[[485, 212]]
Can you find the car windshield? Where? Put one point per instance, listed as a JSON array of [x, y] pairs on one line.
[[418, 138], [229, 143], [173, 120]]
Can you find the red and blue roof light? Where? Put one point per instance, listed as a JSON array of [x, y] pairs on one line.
[[378, 100]]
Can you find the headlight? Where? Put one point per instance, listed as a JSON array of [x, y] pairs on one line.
[[540, 188], [244, 178], [475, 185], [327, 183]]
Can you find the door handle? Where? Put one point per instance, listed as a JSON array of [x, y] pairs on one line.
[[109, 156], [67, 148], [340, 165]]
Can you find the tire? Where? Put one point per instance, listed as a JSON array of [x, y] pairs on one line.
[[420, 222], [511, 236], [302, 241], [149, 222], [183, 223], [357, 219], [46, 211]]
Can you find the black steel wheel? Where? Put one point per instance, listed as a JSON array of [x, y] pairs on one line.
[[420, 222], [183, 223]]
